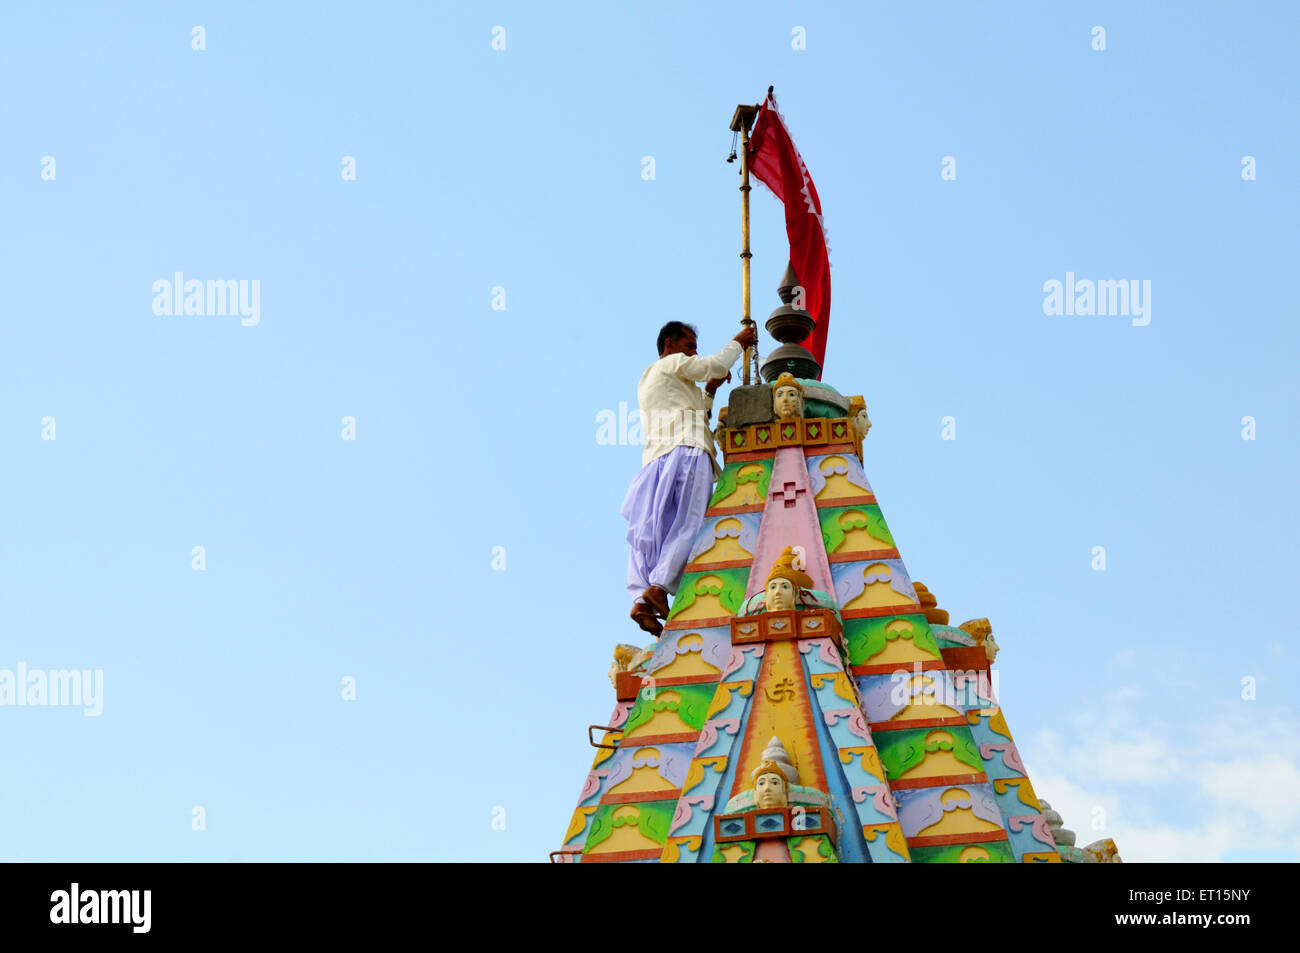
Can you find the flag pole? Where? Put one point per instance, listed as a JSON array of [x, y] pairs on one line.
[[741, 121]]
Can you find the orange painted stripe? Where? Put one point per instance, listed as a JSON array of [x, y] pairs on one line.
[[732, 510], [659, 739], [614, 857], [946, 840], [889, 668], [939, 781], [875, 612], [743, 456], [809, 450], [722, 564], [863, 555], [639, 797], [699, 623], [846, 501], [947, 721], [687, 680], [816, 450]]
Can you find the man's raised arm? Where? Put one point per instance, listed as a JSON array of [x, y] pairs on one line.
[[710, 367]]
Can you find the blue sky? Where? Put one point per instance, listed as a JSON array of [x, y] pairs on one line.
[[476, 428]]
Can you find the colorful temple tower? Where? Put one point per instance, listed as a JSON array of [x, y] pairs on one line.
[[807, 701]]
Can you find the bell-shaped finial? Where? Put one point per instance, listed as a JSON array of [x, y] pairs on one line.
[[789, 325]]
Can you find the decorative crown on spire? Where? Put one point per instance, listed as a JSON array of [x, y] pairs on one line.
[[787, 380], [776, 761], [790, 565], [930, 604]]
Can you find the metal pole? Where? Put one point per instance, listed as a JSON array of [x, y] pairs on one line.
[[740, 122], [745, 255]]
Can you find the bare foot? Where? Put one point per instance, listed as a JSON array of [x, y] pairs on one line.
[[657, 598], [644, 616]]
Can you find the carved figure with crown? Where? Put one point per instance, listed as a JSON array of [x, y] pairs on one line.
[[787, 397], [981, 633], [861, 422], [625, 674], [776, 820], [788, 587], [788, 607]]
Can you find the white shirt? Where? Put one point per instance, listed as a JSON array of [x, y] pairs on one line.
[[674, 409]]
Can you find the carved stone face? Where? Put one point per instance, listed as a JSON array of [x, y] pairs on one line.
[[780, 595], [991, 647], [862, 422], [769, 791], [787, 402]]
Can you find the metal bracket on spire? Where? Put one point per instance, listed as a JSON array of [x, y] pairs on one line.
[[597, 744]]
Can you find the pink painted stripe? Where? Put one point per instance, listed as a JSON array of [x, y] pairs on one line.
[[789, 525]]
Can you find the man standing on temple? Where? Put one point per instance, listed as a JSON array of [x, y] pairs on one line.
[[665, 504]]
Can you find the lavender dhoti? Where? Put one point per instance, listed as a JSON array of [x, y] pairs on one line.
[[664, 509]]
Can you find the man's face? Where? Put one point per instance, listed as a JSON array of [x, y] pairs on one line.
[[682, 345]]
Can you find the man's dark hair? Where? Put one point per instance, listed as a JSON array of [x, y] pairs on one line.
[[671, 332]]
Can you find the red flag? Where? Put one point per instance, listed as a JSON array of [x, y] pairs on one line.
[[776, 163]]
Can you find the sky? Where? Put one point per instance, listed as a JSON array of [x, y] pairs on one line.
[[412, 560]]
